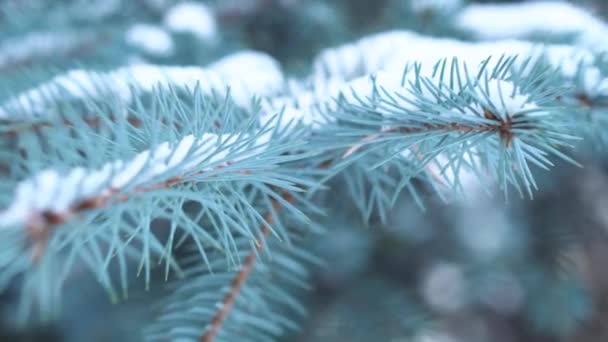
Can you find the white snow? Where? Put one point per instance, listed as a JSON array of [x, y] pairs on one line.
[[307, 103], [51, 190], [392, 50], [303, 105], [568, 58], [434, 335], [254, 74], [503, 96], [307, 106], [520, 20], [194, 18], [385, 56], [263, 77], [246, 62], [362, 57], [151, 39]]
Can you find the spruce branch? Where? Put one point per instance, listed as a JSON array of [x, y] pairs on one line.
[[581, 71], [166, 166], [463, 115], [587, 96], [215, 322], [428, 114], [102, 155], [254, 301], [499, 123], [248, 265], [122, 181], [182, 158]]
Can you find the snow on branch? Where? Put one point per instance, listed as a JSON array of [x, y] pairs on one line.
[[55, 196], [504, 99], [310, 102], [51, 197], [522, 20], [505, 126], [307, 103], [263, 77], [315, 97], [393, 49]]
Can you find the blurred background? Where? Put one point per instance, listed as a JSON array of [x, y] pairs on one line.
[[472, 271]]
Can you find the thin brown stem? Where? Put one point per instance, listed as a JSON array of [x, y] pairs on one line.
[[242, 276], [502, 127]]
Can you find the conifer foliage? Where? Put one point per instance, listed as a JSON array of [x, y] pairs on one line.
[[197, 158]]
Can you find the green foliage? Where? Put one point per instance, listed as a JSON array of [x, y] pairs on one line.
[[207, 203], [217, 198]]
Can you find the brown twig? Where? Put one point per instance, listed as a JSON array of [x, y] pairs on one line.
[[503, 128], [242, 276]]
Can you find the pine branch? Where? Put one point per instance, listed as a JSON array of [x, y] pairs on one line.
[[500, 126], [500, 119], [115, 203], [119, 181], [248, 265], [39, 225], [248, 303], [428, 116]]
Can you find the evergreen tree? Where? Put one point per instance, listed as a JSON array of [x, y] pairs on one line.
[[276, 170]]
